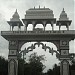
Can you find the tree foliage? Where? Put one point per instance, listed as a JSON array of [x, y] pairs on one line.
[[3, 66], [54, 71], [21, 66], [35, 66]]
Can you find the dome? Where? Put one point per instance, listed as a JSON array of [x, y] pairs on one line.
[[63, 15], [15, 17], [39, 13]]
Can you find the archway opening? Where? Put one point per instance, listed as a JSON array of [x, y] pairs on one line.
[[63, 28], [39, 26], [30, 27], [50, 59], [48, 27]]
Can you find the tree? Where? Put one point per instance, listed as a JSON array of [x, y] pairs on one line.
[[50, 72], [21, 66], [54, 71], [3, 66], [35, 66]]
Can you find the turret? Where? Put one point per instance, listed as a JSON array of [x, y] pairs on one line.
[[15, 21], [64, 20]]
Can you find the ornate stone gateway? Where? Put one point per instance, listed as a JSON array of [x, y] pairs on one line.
[[34, 16]]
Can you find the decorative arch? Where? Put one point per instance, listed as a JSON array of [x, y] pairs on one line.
[[44, 46]]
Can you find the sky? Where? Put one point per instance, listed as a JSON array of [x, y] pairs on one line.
[[8, 7]]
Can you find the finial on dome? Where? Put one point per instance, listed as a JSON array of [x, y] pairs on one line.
[[63, 9], [16, 10]]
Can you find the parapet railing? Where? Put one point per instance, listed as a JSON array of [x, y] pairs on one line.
[[39, 32]]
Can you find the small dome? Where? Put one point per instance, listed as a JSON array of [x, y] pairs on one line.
[[16, 14], [63, 15], [15, 17]]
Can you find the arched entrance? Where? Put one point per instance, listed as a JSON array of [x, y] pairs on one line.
[[26, 51], [46, 46]]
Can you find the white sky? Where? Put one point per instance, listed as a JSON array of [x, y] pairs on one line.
[[8, 7]]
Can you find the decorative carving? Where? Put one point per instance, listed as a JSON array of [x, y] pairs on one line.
[[12, 52], [64, 52], [13, 45], [43, 47], [38, 43], [64, 42], [13, 42], [50, 50], [26, 51]]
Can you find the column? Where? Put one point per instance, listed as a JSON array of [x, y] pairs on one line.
[[67, 26], [33, 23], [13, 58], [52, 25], [44, 24], [10, 27], [18, 27], [59, 26], [25, 26], [64, 56]]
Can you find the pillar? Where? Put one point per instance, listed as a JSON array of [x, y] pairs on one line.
[[64, 56], [25, 26], [19, 27], [59, 26], [44, 24], [10, 27], [33, 23], [13, 58], [64, 67], [52, 25], [67, 26]]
